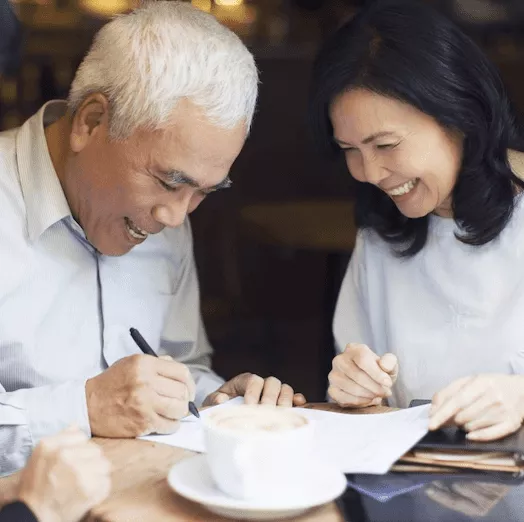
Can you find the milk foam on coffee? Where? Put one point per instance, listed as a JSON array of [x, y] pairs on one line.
[[258, 419]]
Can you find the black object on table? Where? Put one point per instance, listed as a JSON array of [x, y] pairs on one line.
[[439, 499]]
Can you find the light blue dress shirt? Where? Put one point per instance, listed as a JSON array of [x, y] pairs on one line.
[[66, 310]]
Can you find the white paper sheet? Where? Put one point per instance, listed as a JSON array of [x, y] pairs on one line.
[[368, 443], [190, 434], [352, 443]]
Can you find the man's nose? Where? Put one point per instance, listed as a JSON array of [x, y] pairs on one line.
[[172, 214]]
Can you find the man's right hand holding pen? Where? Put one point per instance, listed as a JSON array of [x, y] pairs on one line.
[[139, 395], [144, 394]]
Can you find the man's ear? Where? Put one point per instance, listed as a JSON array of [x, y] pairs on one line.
[[88, 121]]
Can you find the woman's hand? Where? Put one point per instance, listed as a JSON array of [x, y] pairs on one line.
[[361, 378], [488, 406]]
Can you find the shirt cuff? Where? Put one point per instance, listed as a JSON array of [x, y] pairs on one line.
[[51, 409]]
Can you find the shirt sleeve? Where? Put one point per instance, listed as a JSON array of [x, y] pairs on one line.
[[17, 512], [184, 336], [28, 415], [351, 321]]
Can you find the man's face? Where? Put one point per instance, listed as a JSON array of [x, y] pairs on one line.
[[121, 191]]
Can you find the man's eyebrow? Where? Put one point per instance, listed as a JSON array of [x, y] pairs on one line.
[[178, 177]]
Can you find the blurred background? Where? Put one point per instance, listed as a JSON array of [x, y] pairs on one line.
[[271, 252]]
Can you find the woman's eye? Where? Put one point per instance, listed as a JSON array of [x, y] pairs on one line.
[[387, 146]]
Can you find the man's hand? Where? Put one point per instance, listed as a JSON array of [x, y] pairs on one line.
[[361, 378], [488, 407], [65, 477], [139, 395], [256, 390]]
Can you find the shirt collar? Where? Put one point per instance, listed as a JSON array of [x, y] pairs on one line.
[[44, 198]]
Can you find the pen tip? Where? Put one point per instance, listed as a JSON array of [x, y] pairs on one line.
[[193, 409]]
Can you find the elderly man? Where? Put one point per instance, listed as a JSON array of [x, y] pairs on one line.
[[95, 195]]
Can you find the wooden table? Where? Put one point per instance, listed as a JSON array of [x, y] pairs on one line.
[[140, 491]]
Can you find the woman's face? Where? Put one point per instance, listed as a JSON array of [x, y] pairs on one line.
[[401, 150]]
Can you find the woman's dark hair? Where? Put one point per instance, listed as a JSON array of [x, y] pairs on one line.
[[405, 50]]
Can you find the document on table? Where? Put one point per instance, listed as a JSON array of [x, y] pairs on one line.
[[353, 443], [190, 434]]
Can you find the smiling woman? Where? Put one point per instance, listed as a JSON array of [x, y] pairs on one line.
[[415, 162], [414, 74], [428, 133]]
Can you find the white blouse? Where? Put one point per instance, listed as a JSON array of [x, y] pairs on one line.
[[450, 311]]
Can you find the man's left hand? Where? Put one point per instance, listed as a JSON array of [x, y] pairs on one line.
[[256, 390], [488, 407]]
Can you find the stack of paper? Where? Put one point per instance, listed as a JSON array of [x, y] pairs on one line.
[[352, 443]]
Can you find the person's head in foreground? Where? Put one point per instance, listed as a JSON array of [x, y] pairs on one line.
[[159, 109], [423, 121]]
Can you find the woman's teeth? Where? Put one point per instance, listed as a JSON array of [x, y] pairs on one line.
[[135, 231], [403, 189]]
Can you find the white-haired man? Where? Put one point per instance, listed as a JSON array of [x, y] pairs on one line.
[[95, 194]]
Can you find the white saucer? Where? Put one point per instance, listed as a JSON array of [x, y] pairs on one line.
[[191, 479]]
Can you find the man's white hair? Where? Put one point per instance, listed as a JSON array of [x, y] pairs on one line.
[[146, 61]]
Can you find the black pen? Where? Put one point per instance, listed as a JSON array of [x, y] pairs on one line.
[[142, 344]]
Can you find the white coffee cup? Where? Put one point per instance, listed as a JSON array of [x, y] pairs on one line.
[[259, 452]]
